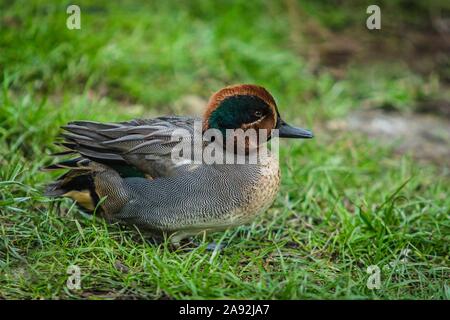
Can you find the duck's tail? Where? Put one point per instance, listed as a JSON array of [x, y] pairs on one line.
[[77, 183]]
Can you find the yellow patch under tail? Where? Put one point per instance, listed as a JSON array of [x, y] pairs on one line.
[[83, 197]]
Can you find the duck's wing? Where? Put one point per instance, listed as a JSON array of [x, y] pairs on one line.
[[145, 144]]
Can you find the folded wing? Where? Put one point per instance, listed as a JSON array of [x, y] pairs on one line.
[[144, 144]]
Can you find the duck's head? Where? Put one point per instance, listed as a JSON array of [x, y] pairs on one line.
[[246, 106]]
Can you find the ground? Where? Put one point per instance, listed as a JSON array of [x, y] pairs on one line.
[[353, 197]]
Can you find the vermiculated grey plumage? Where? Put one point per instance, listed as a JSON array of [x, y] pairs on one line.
[[167, 198]]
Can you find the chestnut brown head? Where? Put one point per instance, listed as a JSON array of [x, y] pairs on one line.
[[247, 106]]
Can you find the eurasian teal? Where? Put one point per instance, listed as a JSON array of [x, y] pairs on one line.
[[130, 164]]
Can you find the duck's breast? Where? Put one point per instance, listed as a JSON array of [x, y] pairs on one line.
[[259, 195]]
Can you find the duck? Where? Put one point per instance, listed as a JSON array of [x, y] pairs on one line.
[[125, 172]]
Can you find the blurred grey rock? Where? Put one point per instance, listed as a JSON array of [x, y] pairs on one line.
[[425, 136]]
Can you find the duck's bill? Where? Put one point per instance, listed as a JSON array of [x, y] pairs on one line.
[[287, 131]]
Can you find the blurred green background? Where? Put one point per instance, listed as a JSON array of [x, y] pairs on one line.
[[372, 183]]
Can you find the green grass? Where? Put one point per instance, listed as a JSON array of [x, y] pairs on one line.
[[346, 202]]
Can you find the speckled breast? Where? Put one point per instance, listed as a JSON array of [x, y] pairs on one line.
[[260, 194]]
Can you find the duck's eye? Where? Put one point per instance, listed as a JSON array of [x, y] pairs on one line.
[[258, 114]]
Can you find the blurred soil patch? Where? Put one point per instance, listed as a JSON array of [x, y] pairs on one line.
[[424, 133], [424, 46]]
